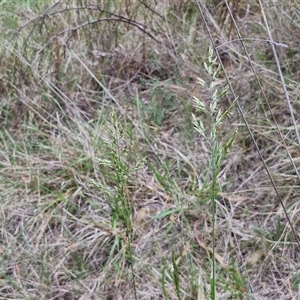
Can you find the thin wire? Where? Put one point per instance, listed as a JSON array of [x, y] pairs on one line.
[[286, 93], [243, 115]]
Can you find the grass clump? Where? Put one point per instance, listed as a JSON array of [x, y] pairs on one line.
[[123, 175]]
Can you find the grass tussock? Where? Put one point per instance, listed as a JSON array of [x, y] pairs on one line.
[[127, 168]]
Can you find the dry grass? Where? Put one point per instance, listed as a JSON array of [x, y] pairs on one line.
[[105, 184]]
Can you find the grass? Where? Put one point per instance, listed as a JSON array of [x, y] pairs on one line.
[[127, 169]]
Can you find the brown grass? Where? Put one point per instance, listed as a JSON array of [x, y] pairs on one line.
[[104, 183]]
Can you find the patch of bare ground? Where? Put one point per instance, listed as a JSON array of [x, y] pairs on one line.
[[104, 183]]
